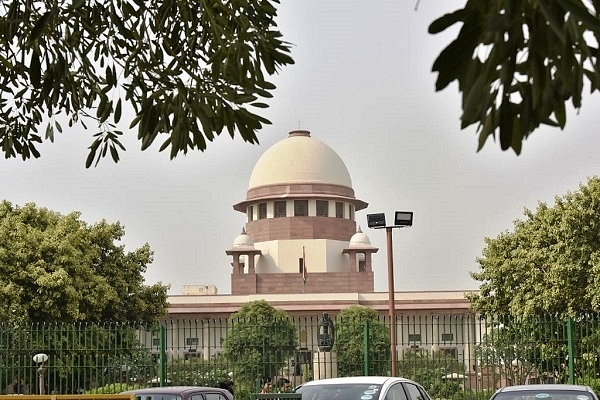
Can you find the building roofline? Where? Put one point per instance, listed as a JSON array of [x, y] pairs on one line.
[[307, 303]]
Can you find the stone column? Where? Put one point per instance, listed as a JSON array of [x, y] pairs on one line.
[[324, 364]]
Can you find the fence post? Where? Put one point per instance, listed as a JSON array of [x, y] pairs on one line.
[[571, 350], [366, 347], [162, 344]]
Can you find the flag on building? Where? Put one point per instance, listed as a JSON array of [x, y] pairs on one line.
[[303, 266]]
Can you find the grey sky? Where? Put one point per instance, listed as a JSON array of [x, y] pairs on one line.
[[362, 83]]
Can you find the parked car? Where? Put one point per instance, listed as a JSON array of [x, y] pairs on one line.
[[363, 388], [545, 392], [181, 393]]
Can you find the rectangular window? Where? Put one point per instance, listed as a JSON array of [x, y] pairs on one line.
[[350, 212], [191, 341], [451, 352], [414, 337], [447, 337], [301, 208], [339, 209], [322, 208], [262, 211], [300, 265], [250, 213], [280, 210]]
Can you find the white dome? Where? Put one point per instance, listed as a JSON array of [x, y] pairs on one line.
[[243, 240], [359, 239], [299, 159]]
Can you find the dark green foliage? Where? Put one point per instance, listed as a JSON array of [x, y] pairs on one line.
[[196, 371], [350, 343], [114, 388], [429, 369], [80, 356], [525, 346], [187, 69], [517, 63], [260, 342]]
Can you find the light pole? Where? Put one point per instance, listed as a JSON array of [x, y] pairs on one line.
[[40, 359], [402, 219]]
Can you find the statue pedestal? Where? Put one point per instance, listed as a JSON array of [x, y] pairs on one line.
[[324, 364]]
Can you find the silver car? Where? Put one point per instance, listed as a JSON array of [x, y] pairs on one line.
[[363, 388], [545, 392], [180, 393]]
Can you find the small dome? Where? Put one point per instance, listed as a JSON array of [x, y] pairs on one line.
[[299, 159], [359, 239], [243, 240]]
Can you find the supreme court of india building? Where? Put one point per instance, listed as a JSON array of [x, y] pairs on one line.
[[300, 207]]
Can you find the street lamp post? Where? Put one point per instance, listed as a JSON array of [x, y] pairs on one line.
[[402, 219], [40, 359]]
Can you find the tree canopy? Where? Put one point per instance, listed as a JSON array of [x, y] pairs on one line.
[[187, 68], [191, 68], [261, 341], [549, 263], [517, 63], [350, 342], [57, 268]]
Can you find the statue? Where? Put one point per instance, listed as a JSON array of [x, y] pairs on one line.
[[326, 333]]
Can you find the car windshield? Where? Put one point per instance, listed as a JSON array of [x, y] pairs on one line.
[[349, 391], [545, 395], [158, 396]]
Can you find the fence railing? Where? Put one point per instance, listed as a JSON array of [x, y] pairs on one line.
[[448, 354]]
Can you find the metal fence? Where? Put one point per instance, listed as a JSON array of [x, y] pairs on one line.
[[452, 356]]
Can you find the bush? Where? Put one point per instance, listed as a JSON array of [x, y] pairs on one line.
[[114, 388]]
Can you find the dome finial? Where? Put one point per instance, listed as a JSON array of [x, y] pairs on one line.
[[359, 230], [243, 230]]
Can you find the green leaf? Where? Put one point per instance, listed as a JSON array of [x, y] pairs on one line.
[[39, 26], [77, 3], [50, 132], [560, 113], [35, 73], [506, 124], [487, 130], [450, 64], [117, 115], [92, 154], [114, 153], [446, 21]]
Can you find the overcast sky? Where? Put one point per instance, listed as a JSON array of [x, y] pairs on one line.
[[362, 84]]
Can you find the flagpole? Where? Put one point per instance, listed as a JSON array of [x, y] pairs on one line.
[[303, 268]]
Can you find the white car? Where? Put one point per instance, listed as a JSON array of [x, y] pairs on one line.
[[363, 388], [545, 392]]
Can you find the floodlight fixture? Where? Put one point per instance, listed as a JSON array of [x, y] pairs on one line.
[[403, 218], [376, 220]]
